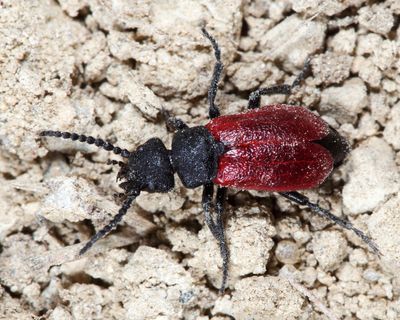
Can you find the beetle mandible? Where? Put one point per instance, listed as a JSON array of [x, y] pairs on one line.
[[280, 148]]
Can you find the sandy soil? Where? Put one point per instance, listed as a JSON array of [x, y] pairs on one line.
[[106, 68]]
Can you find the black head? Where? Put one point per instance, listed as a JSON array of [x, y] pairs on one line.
[[148, 168]]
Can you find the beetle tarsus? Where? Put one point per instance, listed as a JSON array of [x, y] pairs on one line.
[[255, 96], [87, 139], [303, 73], [303, 200], [218, 67]]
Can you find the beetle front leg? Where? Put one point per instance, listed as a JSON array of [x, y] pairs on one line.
[[255, 96], [217, 227], [303, 200], [172, 123], [112, 224]]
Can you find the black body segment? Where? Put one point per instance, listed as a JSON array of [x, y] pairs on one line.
[[195, 156], [336, 145], [150, 168]]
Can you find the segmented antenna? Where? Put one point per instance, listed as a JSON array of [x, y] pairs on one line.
[[87, 139]]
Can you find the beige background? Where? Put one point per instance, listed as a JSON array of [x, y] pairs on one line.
[[106, 68]]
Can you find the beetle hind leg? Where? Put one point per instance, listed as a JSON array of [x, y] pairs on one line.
[[219, 208], [213, 110], [217, 227], [303, 200], [255, 96]]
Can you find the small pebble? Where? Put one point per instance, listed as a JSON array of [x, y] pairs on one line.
[[287, 252]]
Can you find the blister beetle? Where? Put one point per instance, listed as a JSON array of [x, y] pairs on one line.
[[280, 148]]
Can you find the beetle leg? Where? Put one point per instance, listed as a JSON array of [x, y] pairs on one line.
[[208, 191], [213, 110], [88, 139], [303, 200], [219, 208], [112, 224], [255, 96], [172, 123], [217, 227]]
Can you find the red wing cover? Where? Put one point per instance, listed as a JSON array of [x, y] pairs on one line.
[[272, 149]]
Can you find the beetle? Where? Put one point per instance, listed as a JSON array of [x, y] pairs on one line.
[[277, 148]]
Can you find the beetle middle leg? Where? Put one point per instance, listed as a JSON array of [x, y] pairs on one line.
[[303, 200], [217, 227], [213, 110], [255, 96]]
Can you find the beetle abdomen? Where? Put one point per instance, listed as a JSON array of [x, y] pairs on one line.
[[275, 148], [337, 146], [272, 167]]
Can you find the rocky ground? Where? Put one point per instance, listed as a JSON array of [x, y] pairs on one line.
[[106, 68]]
